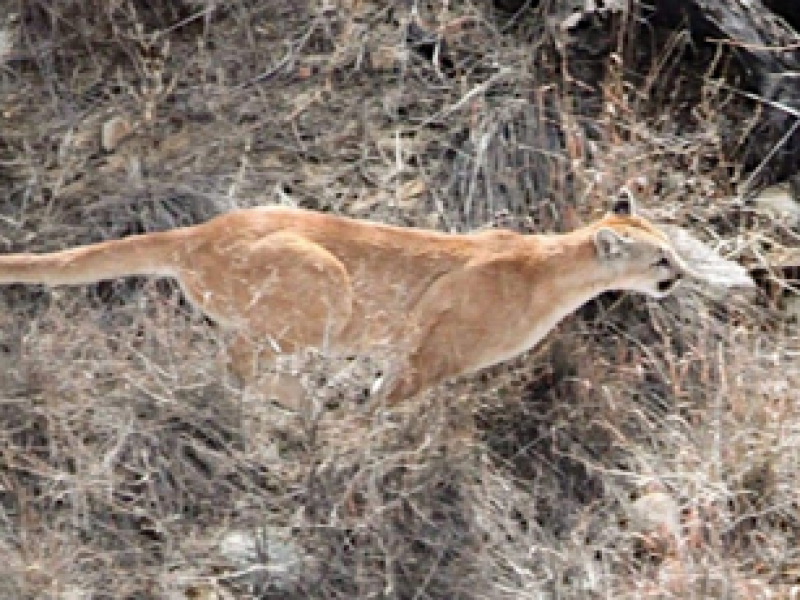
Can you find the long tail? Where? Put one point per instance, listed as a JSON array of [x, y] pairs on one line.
[[147, 254]]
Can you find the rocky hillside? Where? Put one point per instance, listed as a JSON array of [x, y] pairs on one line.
[[645, 450]]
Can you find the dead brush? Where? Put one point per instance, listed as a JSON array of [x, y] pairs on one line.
[[126, 435], [685, 412]]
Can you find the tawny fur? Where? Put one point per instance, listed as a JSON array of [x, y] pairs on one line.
[[287, 279]]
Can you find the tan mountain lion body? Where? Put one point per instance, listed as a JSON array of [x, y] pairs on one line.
[[445, 304]]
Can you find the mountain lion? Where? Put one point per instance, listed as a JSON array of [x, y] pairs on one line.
[[285, 279]]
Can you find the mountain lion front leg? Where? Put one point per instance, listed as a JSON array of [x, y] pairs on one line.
[[426, 367], [449, 332]]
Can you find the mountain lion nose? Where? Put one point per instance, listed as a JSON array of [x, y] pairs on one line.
[[667, 284]]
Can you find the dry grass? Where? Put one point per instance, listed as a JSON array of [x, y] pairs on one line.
[[132, 467]]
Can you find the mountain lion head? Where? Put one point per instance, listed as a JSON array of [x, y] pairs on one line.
[[637, 256]]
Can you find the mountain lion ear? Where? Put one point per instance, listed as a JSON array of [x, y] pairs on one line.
[[623, 205], [610, 245]]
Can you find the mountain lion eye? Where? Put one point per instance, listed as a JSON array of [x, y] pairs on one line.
[[663, 262]]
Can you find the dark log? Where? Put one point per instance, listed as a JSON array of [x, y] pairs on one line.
[[765, 48], [769, 50], [786, 9]]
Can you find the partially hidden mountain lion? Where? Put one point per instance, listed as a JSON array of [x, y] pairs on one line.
[[285, 279]]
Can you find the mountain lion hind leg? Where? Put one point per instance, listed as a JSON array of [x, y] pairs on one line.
[[279, 293]]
